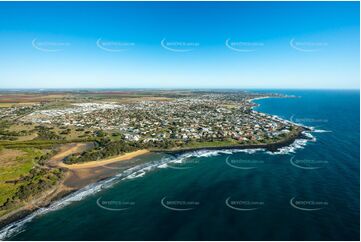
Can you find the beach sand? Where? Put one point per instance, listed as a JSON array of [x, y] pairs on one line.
[[66, 150], [76, 176], [98, 163]]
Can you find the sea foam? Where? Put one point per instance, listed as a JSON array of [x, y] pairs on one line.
[[137, 172]]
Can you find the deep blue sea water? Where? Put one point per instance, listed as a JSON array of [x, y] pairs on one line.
[[306, 192]]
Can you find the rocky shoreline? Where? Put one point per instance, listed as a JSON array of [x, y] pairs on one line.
[[270, 147], [60, 192]]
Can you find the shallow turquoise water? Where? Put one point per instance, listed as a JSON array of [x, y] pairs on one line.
[[239, 196]]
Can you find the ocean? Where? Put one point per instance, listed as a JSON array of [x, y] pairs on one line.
[[307, 191]]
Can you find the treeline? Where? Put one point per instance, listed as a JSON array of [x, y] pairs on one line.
[[106, 148]]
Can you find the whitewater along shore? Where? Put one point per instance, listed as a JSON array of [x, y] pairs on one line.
[[93, 164], [79, 175], [269, 147], [41, 200], [76, 176]]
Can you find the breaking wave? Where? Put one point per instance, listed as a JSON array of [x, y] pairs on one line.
[[139, 171], [321, 131], [297, 144], [132, 173], [179, 159]]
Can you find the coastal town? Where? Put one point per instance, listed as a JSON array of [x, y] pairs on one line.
[[180, 120], [49, 140], [200, 117]]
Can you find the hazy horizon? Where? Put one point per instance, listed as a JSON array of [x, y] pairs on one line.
[[178, 88]]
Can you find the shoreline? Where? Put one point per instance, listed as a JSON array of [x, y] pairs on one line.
[[42, 200], [258, 98], [97, 163], [270, 147], [62, 190]]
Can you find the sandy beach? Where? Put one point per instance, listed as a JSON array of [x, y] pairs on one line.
[[257, 98], [75, 177], [66, 150], [94, 164]]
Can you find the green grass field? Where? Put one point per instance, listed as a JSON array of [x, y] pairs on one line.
[[13, 165], [195, 145]]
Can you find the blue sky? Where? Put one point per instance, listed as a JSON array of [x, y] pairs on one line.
[[179, 45]]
